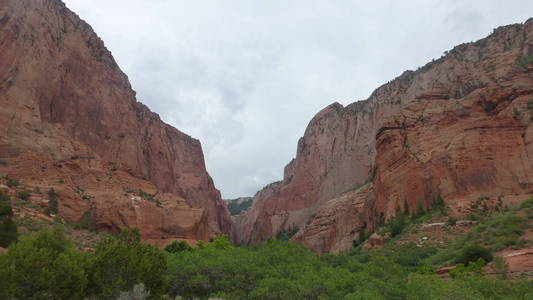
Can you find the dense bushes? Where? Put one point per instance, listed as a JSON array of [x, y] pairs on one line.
[[496, 233], [119, 263], [178, 246], [472, 253], [46, 266], [281, 270], [43, 266]]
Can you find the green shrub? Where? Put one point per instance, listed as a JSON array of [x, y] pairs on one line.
[[52, 201], [527, 204], [473, 268], [149, 197], [472, 253], [86, 221], [12, 182], [451, 221], [118, 264], [500, 267], [8, 228], [398, 224], [524, 60], [503, 231], [45, 266], [287, 234], [24, 195], [178, 246]]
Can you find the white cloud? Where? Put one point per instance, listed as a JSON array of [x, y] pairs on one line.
[[245, 77]]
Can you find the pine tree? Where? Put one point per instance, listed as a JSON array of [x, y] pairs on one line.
[[8, 229]]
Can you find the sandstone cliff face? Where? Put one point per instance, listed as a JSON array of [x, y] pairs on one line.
[[62, 95], [459, 128]]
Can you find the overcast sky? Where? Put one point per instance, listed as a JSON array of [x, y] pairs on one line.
[[246, 76]]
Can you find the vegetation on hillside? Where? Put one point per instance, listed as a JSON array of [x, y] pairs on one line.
[[46, 265]]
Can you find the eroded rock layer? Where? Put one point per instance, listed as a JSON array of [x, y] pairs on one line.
[[458, 128], [63, 97]]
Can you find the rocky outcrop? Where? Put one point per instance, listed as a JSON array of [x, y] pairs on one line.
[[63, 96], [238, 205], [458, 128]]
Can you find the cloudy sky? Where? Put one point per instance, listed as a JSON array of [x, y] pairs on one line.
[[246, 76]]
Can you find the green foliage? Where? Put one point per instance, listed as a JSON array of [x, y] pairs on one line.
[[44, 266], [503, 231], [496, 233], [524, 60], [472, 269], [472, 253], [178, 246], [8, 228], [274, 270], [361, 240], [86, 221], [438, 203], [398, 224], [148, 197], [451, 221], [118, 264], [11, 182], [281, 270], [8, 232], [24, 195], [466, 287], [52, 204], [500, 267], [287, 234], [527, 204]]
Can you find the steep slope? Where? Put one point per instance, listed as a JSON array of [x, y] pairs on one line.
[[459, 129], [63, 97]]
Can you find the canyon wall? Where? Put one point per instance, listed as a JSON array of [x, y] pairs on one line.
[[458, 128], [65, 104]]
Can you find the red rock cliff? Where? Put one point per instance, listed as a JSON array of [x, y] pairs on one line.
[[63, 96], [459, 128]]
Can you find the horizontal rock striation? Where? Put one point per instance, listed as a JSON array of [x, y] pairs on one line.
[[458, 128], [62, 95]]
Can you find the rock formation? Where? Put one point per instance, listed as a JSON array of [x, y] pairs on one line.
[[70, 120], [458, 128], [238, 205]]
